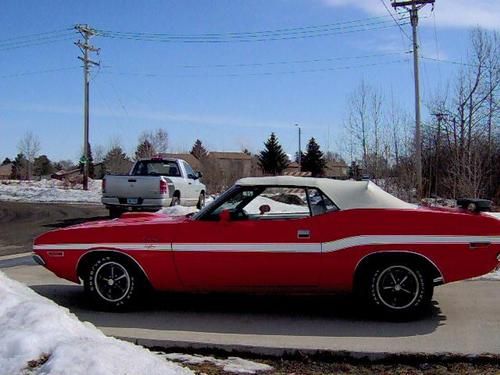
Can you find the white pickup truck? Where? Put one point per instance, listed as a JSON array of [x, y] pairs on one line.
[[152, 184]]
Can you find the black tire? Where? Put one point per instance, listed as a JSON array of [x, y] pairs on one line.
[[397, 289], [115, 212], [176, 201], [201, 201], [112, 284]]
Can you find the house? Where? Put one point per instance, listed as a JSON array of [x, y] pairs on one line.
[[6, 171], [336, 169]]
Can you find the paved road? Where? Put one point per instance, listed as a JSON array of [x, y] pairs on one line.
[[465, 320], [21, 222]]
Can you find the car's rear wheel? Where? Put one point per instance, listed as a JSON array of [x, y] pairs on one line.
[[201, 201], [176, 201], [397, 289], [112, 284]]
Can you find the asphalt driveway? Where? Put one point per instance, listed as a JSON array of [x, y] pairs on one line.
[[465, 320]]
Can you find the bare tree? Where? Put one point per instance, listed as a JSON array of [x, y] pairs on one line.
[[158, 139], [29, 146]]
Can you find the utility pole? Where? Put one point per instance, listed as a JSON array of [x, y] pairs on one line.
[[299, 156], [413, 6], [86, 32]]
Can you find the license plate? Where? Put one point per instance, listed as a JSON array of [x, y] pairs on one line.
[[132, 200]]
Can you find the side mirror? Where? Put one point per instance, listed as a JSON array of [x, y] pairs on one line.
[[199, 175], [225, 216]]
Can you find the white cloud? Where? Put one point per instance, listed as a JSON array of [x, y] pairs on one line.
[[448, 13]]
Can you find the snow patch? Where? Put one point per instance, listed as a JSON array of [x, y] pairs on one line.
[[46, 191], [231, 364], [36, 329], [177, 210], [495, 275]]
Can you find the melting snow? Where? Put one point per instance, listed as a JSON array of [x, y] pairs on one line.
[[34, 328], [231, 364]]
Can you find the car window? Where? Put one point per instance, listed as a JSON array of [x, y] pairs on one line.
[[189, 171], [279, 203], [320, 203]]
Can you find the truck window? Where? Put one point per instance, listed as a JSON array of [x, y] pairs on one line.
[[156, 168]]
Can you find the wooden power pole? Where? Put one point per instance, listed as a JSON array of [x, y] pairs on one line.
[[413, 6], [86, 32]]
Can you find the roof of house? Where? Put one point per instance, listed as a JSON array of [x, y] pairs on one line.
[[187, 157], [230, 155], [345, 194]]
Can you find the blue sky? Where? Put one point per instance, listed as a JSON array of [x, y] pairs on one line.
[[262, 86]]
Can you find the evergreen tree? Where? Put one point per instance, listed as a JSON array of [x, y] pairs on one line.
[[20, 170], [273, 159], [314, 160], [42, 166], [296, 159], [144, 150], [198, 151], [6, 161], [116, 161]]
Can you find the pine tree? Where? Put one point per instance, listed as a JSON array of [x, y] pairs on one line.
[[314, 160], [6, 161], [42, 166], [273, 159], [116, 161], [198, 151], [144, 150]]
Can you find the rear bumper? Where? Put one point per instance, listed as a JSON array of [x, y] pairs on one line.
[[144, 204]]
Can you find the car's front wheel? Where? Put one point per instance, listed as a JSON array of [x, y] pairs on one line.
[[397, 289], [201, 201], [112, 284]]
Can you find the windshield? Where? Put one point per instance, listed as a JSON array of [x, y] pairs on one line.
[[215, 202]]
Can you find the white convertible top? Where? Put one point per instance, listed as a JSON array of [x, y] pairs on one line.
[[345, 194]]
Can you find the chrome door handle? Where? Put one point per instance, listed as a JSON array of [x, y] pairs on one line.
[[303, 234]]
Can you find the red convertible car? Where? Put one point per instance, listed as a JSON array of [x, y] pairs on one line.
[[285, 235]]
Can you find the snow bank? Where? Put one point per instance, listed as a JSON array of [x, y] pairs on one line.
[[177, 210], [36, 329], [231, 364], [49, 191]]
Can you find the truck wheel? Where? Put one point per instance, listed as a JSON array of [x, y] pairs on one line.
[[115, 212], [176, 201], [111, 283], [397, 289], [201, 201]]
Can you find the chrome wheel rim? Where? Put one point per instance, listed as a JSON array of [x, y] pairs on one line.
[[398, 287], [112, 281]]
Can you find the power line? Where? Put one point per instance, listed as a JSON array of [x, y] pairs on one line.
[[305, 61], [395, 20], [35, 43], [249, 37], [36, 36], [269, 73], [21, 74], [454, 62]]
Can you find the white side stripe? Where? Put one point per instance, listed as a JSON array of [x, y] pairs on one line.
[[404, 240], [296, 247], [251, 247]]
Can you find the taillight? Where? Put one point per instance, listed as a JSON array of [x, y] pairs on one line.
[[163, 187], [103, 185]]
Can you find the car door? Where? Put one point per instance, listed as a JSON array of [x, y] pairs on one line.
[[193, 186], [264, 250]]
